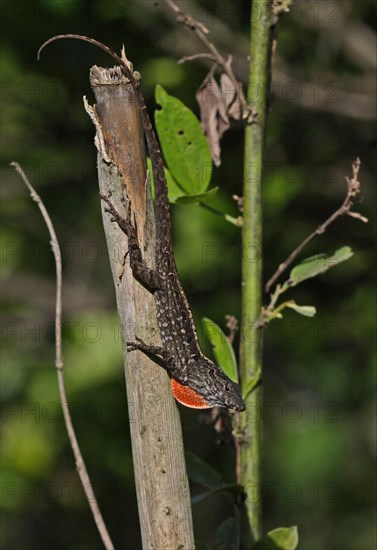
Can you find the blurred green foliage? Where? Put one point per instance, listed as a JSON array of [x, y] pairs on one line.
[[319, 379]]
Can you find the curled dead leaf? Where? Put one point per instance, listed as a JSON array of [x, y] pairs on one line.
[[213, 115]]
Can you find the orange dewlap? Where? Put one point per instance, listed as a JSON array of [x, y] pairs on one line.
[[188, 397]]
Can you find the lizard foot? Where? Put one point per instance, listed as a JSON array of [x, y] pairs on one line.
[[124, 224], [142, 346]]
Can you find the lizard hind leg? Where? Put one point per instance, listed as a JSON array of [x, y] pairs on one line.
[[124, 224], [147, 349], [158, 354]]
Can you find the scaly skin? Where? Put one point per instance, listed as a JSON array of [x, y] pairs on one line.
[[180, 353]]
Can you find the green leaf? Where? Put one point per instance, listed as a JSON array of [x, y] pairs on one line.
[[228, 535], [231, 488], [176, 194], [195, 199], [222, 349], [282, 538], [184, 145], [251, 385], [315, 265], [201, 472], [306, 311], [174, 191]]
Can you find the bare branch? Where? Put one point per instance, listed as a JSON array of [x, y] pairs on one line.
[[232, 325], [358, 216], [80, 464], [239, 201], [197, 56], [353, 188], [195, 26], [357, 44]]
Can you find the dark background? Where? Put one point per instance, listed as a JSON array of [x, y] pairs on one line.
[[319, 379]]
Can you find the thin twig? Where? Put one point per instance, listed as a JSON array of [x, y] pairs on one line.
[[353, 188], [234, 221], [239, 201], [268, 313], [80, 464], [197, 56], [201, 31], [232, 325]]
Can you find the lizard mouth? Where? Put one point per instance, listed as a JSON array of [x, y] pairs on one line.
[[239, 406]]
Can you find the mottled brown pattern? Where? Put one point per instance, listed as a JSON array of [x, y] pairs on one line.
[[180, 353]]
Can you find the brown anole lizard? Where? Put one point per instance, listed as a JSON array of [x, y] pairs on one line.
[[196, 381]]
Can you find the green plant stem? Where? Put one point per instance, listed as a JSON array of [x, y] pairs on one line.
[[234, 221], [251, 340]]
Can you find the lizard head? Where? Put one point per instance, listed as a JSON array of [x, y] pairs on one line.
[[211, 389]]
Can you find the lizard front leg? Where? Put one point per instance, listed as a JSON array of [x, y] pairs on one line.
[[182, 393], [154, 352], [148, 277], [158, 354]]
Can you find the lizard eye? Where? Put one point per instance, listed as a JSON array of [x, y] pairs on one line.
[[227, 388]]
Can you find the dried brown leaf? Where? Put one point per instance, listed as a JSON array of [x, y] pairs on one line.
[[213, 114]]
